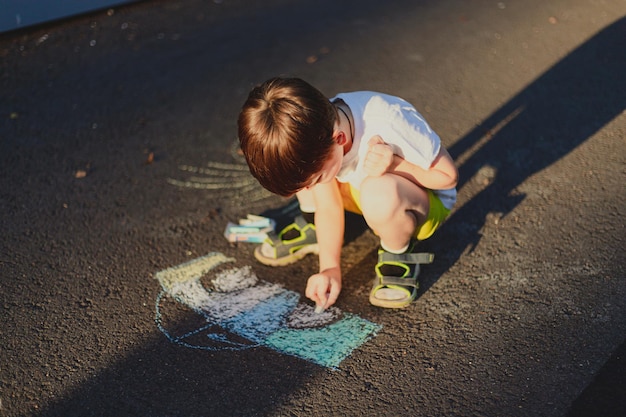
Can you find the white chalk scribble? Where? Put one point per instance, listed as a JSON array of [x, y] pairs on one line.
[[231, 181]]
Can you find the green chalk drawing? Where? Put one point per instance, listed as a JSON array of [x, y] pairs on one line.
[[264, 314]]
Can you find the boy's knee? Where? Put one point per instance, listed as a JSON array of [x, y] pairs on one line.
[[379, 197]]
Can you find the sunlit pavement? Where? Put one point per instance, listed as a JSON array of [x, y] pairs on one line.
[[119, 170]]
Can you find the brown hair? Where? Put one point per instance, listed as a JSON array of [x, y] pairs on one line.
[[285, 132]]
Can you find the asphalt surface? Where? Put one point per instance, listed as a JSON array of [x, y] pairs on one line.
[[112, 126]]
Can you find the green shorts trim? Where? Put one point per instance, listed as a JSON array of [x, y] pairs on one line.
[[437, 212]]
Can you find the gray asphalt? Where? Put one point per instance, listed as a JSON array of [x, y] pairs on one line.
[[117, 161]]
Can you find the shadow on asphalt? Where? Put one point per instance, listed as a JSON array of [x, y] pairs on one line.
[[542, 124], [547, 120], [605, 396], [149, 383]]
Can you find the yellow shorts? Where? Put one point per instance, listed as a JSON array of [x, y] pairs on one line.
[[437, 213]]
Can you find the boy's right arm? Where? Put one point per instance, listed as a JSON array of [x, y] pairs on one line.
[[324, 287]]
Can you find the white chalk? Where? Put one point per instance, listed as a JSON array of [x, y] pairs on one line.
[[319, 309]]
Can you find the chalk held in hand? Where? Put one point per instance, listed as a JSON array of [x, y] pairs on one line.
[[319, 309]]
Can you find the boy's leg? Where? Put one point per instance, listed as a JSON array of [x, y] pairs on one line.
[[395, 208], [307, 204]]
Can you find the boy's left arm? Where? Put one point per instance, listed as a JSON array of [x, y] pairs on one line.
[[441, 175]]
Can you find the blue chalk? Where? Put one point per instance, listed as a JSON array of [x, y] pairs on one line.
[[326, 346]]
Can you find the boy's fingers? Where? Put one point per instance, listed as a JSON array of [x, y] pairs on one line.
[[375, 140], [323, 300], [332, 296], [312, 295], [317, 293]]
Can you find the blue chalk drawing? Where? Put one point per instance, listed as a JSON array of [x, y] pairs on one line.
[[239, 311]]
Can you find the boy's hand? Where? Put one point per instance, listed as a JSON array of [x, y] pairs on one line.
[[324, 288], [379, 157]]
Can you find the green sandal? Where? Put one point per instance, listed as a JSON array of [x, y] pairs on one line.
[[276, 251], [400, 290]]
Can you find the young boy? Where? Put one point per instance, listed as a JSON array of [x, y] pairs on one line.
[[366, 152]]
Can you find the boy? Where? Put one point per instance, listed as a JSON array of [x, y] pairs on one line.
[[369, 153]]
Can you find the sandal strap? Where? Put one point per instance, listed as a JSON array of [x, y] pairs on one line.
[[275, 237], [403, 282], [300, 222], [406, 258], [285, 249]]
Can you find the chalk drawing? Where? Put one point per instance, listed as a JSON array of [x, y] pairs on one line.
[[238, 311], [233, 180]]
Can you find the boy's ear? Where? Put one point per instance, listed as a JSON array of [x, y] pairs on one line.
[[340, 138]]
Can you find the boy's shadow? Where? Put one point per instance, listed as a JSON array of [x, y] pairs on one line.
[[543, 123], [537, 127]]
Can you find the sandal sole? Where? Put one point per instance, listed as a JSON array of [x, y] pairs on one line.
[[417, 260], [377, 302], [286, 260]]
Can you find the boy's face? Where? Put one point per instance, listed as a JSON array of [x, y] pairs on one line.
[[331, 167]]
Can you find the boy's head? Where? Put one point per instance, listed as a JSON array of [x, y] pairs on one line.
[[286, 133]]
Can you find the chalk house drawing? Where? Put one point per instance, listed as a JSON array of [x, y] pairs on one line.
[[239, 311]]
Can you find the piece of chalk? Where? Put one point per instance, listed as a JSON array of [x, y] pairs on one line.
[[319, 309]]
